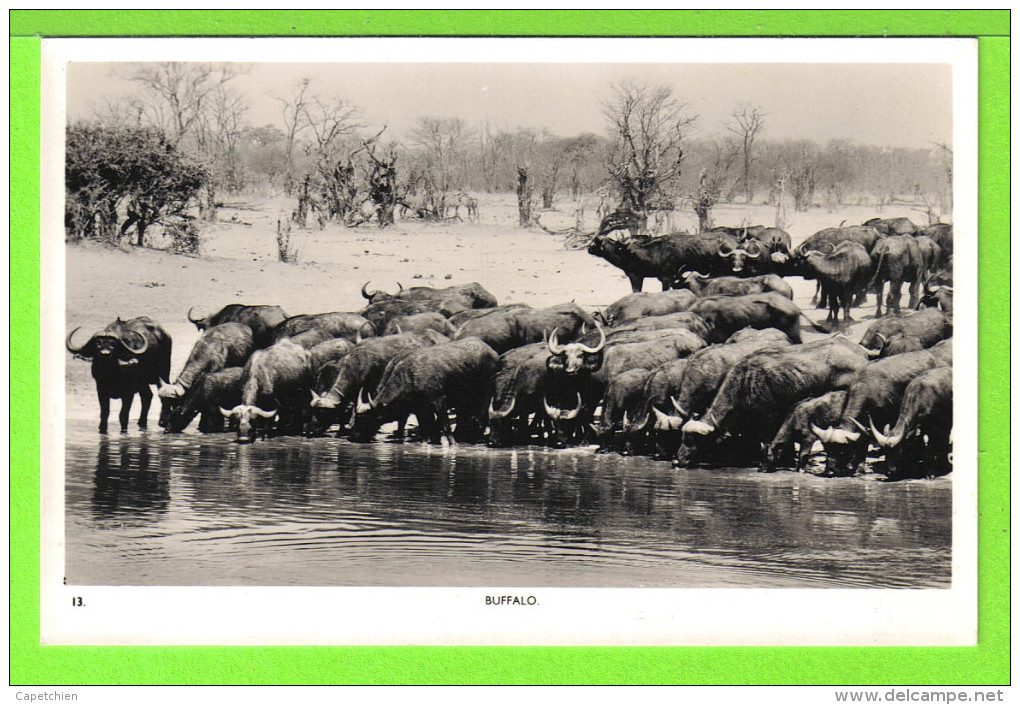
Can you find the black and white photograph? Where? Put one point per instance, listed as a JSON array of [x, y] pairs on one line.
[[589, 341]]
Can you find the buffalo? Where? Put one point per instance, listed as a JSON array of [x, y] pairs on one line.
[[761, 389], [214, 390], [942, 234], [703, 285], [221, 346], [725, 315], [923, 428], [275, 384], [928, 326], [261, 319], [127, 357], [417, 322], [795, 435], [892, 226], [664, 257], [352, 326], [640, 304], [842, 273], [458, 297], [428, 383], [874, 393], [897, 259]]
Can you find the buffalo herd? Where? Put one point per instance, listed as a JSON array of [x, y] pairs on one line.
[[711, 371]]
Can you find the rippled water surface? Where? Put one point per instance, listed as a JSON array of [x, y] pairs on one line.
[[149, 509]]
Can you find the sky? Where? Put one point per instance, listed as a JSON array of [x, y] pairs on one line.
[[892, 104]]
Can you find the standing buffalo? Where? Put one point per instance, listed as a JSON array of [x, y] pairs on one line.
[[261, 319], [427, 383], [897, 259], [127, 357], [874, 394], [796, 431], [842, 273], [664, 257], [761, 390], [942, 234], [926, 414], [275, 383], [519, 385], [212, 392]]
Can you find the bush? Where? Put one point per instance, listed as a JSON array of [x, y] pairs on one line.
[[118, 178], [183, 235]]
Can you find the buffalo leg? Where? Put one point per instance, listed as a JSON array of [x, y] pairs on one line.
[[879, 289], [636, 282], [125, 410], [892, 302], [145, 395], [913, 289], [104, 412]]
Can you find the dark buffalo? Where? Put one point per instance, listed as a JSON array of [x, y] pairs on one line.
[[127, 357], [459, 297], [276, 383], [892, 226], [521, 382], [725, 315], [591, 369], [931, 254], [621, 393], [928, 326], [504, 329], [938, 290], [261, 319], [664, 257], [758, 249], [706, 370], [640, 304], [875, 394], [648, 416], [920, 441], [842, 273], [795, 435], [761, 389], [213, 391], [942, 234], [415, 323], [897, 259], [428, 383], [308, 339], [703, 285], [221, 346], [362, 368], [352, 326]]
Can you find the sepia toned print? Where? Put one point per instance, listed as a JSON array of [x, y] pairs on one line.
[[507, 327]]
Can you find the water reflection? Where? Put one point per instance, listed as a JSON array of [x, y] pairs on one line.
[[193, 509]]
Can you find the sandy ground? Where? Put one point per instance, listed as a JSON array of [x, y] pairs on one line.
[[238, 263]]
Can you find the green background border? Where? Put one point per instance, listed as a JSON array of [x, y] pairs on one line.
[[988, 663]]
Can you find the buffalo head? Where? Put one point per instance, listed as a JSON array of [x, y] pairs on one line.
[[247, 417], [574, 357], [112, 343], [747, 250]]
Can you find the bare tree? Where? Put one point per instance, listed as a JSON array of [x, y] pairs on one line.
[[747, 122], [441, 143], [175, 93], [331, 124], [295, 121]]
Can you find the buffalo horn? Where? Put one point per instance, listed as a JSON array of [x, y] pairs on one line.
[[884, 440], [502, 414], [601, 343], [70, 348], [824, 434], [137, 351], [666, 422], [397, 326], [554, 347], [365, 293], [679, 409], [263, 413], [698, 427], [725, 250], [227, 413], [859, 425], [364, 406], [757, 249], [196, 321]]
